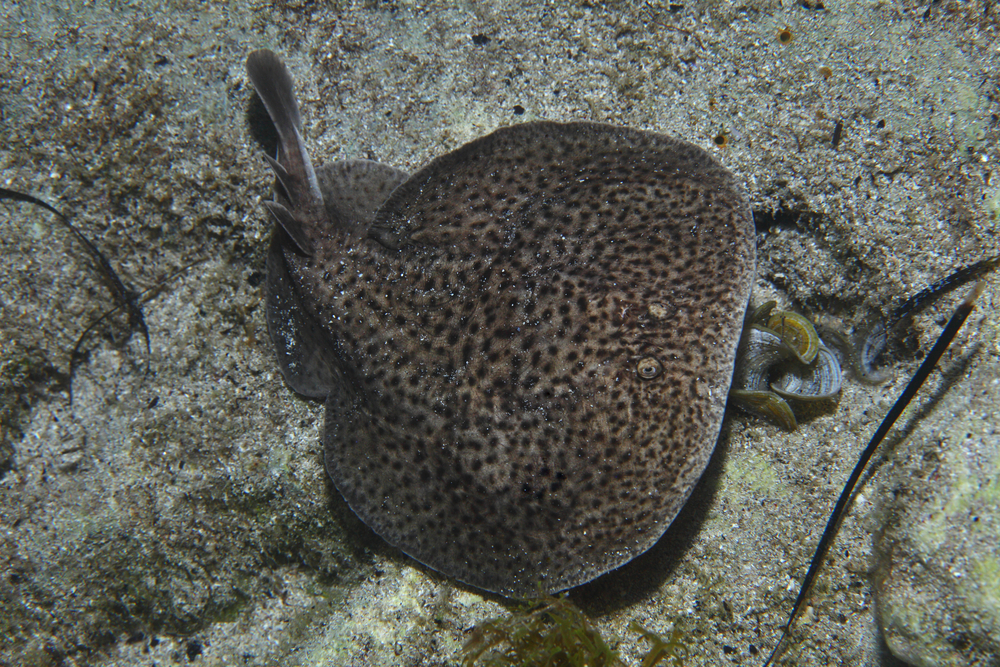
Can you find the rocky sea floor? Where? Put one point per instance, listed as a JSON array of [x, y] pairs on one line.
[[173, 508]]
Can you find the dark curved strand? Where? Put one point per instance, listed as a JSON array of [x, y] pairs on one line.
[[928, 295], [125, 297], [873, 340], [925, 369]]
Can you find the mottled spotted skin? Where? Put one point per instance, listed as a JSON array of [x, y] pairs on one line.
[[526, 347]]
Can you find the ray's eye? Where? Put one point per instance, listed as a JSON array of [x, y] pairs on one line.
[[648, 368]]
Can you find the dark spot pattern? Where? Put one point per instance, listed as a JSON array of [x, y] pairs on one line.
[[529, 345]]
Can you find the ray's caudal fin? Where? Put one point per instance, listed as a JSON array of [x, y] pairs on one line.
[[951, 329], [300, 205], [124, 297]]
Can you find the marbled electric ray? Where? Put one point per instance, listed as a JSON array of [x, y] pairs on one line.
[[525, 347]]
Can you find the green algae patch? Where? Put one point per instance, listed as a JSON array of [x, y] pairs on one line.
[[753, 471], [555, 633], [968, 496], [986, 585], [991, 204]]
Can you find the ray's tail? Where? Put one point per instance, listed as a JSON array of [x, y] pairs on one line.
[[301, 211]]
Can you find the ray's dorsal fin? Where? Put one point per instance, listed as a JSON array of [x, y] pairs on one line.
[[304, 212]]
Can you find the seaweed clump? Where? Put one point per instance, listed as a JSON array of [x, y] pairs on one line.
[[555, 633]]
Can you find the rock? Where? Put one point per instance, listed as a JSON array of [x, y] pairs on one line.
[[937, 578]]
